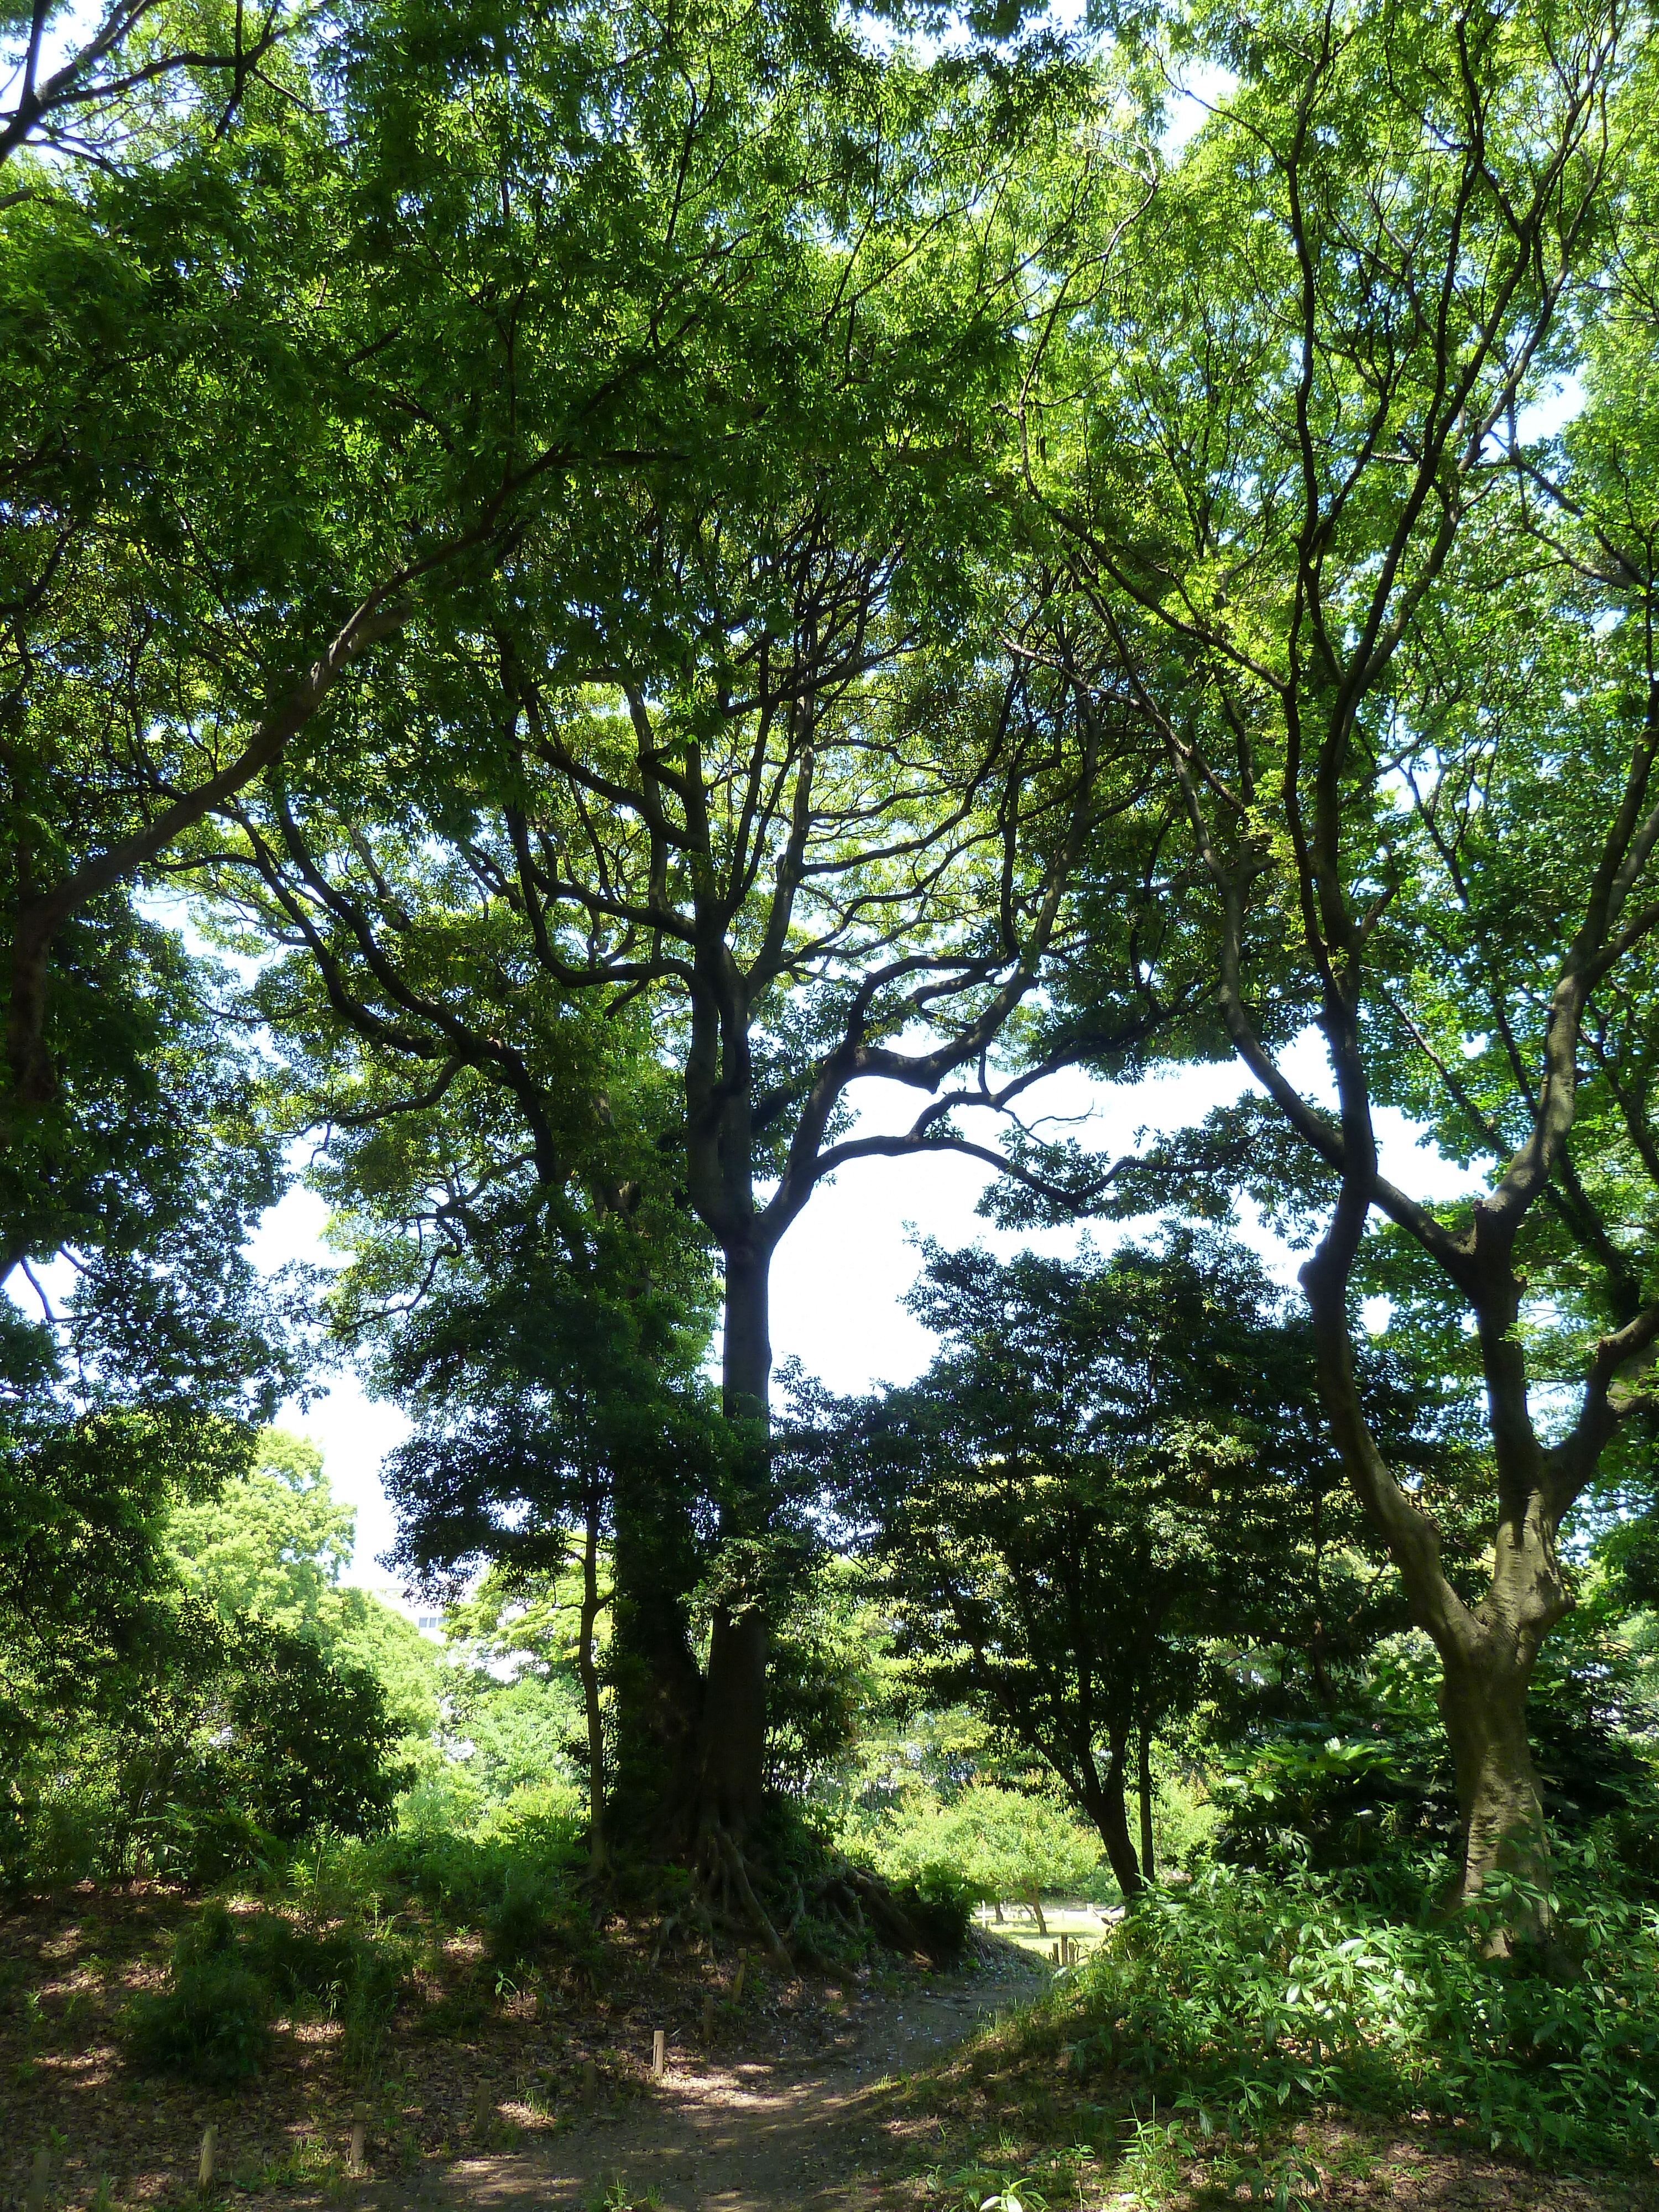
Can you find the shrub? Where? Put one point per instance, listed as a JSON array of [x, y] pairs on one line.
[[297, 1961], [1242, 1997], [212, 2025], [1001, 1843], [518, 1923], [940, 1904]]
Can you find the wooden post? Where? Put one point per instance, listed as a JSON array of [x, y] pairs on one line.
[[359, 2137], [1053, 1953], [708, 2018], [659, 2051], [590, 2080], [737, 1980], [39, 2175], [204, 2168]]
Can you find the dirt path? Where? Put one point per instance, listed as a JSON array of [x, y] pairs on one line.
[[750, 2135]]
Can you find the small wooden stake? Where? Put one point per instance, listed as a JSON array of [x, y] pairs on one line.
[[658, 2049], [708, 2018], [590, 2080], [39, 2175], [737, 1982], [358, 2136], [205, 2169], [1053, 1953]]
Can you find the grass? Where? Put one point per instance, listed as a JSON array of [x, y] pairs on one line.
[[1085, 1923]]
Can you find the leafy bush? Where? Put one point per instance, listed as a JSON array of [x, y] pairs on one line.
[[213, 2024], [1242, 1997], [297, 1961], [940, 1904], [231, 1972], [1308, 1797], [519, 1922], [998, 1843]]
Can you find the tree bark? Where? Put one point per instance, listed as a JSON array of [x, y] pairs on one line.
[[1035, 1904], [1102, 1797], [1488, 1651], [1483, 1702], [731, 1747]]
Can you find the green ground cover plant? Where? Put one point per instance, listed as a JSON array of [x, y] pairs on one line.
[[1242, 1999]]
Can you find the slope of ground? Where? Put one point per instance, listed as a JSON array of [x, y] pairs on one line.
[[896, 2091]]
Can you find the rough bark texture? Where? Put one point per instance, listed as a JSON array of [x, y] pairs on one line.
[[1498, 1793]]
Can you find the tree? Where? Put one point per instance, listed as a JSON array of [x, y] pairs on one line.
[[1110, 1473], [443, 342], [77, 102], [1298, 413], [999, 1842], [142, 1727], [270, 1545], [786, 819], [562, 1436]]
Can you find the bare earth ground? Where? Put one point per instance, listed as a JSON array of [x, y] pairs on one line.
[[842, 2094]]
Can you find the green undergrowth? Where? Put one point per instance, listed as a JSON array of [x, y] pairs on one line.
[[1227, 2022], [347, 1930]]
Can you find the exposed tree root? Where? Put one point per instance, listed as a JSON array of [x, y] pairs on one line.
[[725, 1899]]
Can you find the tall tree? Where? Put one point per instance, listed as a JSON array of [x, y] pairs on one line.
[[1297, 411], [792, 772]]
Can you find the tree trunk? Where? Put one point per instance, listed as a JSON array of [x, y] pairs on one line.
[[1144, 1778], [653, 1673], [1035, 1904], [1103, 1799], [731, 1747], [1487, 1652], [1482, 1701], [589, 1671]]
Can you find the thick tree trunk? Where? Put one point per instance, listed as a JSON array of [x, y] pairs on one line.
[[731, 1747], [732, 1750], [1035, 1904], [653, 1668], [1487, 1652], [1482, 1701]]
